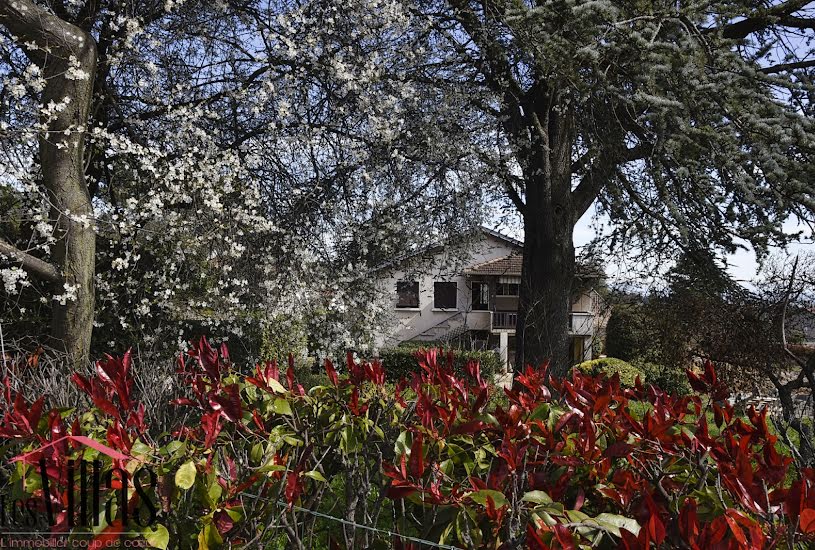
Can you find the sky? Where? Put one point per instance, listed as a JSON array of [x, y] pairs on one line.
[[742, 265]]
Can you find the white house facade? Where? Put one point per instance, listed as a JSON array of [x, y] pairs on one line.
[[468, 292]]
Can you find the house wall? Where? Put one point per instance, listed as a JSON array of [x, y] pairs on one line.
[[448, 264], [583, 302]]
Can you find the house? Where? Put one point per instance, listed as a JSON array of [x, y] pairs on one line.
[[467, 292]]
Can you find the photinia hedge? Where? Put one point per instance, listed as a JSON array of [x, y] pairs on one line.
[[256, 460]]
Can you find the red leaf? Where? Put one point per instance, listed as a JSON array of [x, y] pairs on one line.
[[81, 382], [688, 522], [331, 372], [397, 492], [290, 377], [294, 487], [183, 401], [211, 425], [564, 537], [656, 529], [229, 404], [807, 520], [223, 522], [469, 427], [533, 540], [618, 449], [417, 465], [738, 534], [710, 373], [581, 498]]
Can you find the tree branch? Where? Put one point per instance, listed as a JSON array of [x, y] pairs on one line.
[[31, 23], [597, 176], [760, 19], [35, 266], [787, 67]]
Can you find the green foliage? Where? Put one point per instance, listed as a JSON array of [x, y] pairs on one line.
[[260, 459], [629, 332], [610, 365], [281, 336], [309, 372], [400, 362], [669, 379]]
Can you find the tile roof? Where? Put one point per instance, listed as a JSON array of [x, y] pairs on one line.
[[508, 265], [511, 266]]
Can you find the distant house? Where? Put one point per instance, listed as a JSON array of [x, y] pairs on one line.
[[467, 291]]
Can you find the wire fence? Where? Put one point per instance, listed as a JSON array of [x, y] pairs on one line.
[[391, 534]]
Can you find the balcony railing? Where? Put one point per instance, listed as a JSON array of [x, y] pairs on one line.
[[506, 320], [579, 323]]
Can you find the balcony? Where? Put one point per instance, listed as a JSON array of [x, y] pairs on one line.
[[504, 320], [580, 324]]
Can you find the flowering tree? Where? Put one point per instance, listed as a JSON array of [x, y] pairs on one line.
[[245, 159], [63, 60]]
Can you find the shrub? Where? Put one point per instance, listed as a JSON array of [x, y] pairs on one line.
[[609, 366], [401, 361], [669, 379], [629, 332], [259, 462]]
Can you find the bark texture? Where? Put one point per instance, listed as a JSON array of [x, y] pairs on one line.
[[549, 255], [58, 48]]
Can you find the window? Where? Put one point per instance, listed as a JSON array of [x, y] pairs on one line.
[[408, 294], [506, 289], [444, 295], [481, 296]]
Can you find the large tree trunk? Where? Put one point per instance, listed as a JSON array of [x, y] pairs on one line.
[[61, 49], [549, 258], [546, 285]]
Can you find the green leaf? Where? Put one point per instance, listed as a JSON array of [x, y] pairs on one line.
[[293, 441], [173, 449], [257, 453], [480, 497], [541, 412], [576, 516], [157, 536], [271, 468], [315, 475], [402, 445], [618, 522], [489, 419], [545, 517], [276, 386], [185, 476], [215, 490], [281, 406], [209, 537], [538, 497], [349, 442], [139, 448]]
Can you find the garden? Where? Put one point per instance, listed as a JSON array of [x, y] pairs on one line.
[[471, 274], [437, 459]]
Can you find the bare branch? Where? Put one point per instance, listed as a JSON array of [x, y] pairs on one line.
[[788, 67], [761, 19]]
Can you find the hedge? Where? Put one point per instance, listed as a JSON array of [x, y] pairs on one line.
[[609, 365], [401, 361], [669, 379]]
